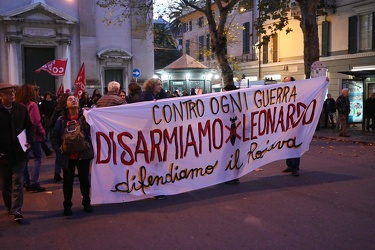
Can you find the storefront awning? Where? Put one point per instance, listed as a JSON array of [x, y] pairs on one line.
[[359, 73]]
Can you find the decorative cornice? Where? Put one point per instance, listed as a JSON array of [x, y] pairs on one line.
[[13, 14], [114, 53]]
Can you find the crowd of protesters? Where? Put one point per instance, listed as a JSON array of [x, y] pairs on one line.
[[44, 118]]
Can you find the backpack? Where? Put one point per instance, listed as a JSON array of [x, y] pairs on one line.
[[73, 140]]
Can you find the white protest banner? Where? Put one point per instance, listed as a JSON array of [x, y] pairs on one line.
[[181, 144]]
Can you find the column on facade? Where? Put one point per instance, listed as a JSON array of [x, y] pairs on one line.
[[13, 64], [67, 78]]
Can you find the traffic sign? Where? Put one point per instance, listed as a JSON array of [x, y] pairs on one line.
[[136, 73]]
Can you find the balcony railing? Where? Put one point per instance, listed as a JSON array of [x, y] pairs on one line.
[[246, 58]]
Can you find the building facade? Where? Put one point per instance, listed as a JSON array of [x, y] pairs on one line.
[[346, 35], [347, 46], [34, 32]]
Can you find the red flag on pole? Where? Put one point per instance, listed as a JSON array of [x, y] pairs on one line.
[[60, 91], [55, 67], [80, 82]]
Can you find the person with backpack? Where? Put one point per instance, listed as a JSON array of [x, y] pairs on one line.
[[72, 143]]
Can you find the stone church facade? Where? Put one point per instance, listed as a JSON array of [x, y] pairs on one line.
[[34, 32]]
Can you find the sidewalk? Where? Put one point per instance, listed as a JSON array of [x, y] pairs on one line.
[[355, 132]]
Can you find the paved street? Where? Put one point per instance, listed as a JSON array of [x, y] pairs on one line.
[[330, 205]]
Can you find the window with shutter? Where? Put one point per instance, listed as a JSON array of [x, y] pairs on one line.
[[325, 38], [246, 38], [353, 22]]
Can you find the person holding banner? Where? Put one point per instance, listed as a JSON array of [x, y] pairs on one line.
[[69, 162], [153, 90], [230, 87], [14, 119], [292, 163], [112, 98]]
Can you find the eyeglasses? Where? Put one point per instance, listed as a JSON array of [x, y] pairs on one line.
[[71, 99]]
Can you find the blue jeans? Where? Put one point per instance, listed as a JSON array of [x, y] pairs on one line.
[[31, 173], [11, 177]]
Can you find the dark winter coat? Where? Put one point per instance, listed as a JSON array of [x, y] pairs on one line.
[[56, 140], [47, 107], [343, 105], [370, 108], [11, 125], [149, 95], [329, 106]]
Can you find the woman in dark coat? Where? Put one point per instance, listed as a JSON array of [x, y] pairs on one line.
[[153, 90], [70, 161]]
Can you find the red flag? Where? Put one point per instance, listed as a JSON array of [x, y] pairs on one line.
[[55, 67], [80, 82], [60, 91]]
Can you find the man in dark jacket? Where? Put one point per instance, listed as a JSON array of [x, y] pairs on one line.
[[329, 108], [112, 98], [370, 112], [343, 108], [14, 119]]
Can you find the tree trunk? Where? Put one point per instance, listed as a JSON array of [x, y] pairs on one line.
[[222, 59], [309, 28], [219, 42]]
